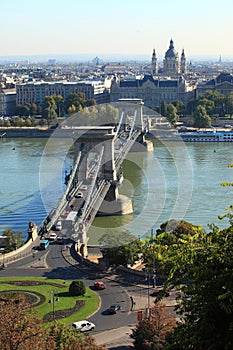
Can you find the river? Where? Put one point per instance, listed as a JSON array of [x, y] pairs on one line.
[[177, 180]]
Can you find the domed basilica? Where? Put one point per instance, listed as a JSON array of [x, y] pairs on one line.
[[172, 65], [162, 84]]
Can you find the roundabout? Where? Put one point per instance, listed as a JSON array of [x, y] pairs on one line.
[[50, 298]]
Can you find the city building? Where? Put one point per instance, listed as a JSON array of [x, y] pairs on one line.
[[7, 102], [223, 84], [172, 65], [152, 91], [167, 84], [35, 92]]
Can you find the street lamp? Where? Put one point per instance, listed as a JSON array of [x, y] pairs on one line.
[[2, 251], [54, 298]]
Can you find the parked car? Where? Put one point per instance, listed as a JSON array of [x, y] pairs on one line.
[[113, 309], [156, 292], [83, 326], [52, 236], [99, 285]]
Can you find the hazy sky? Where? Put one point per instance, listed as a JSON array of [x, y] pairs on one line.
[[129, 27]]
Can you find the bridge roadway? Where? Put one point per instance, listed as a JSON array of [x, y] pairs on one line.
[[77, 214]]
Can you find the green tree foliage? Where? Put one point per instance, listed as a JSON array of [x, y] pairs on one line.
[[207, 312], [13, 240], [163, 108], [201, 118], [77, 288], [158, 252], [228, 104], [180, 108], [207, 104], [121, 249], [105, 114], [152, 333], [58, 99], [171, 113], [67, 338], [49, 108], [76, 101]]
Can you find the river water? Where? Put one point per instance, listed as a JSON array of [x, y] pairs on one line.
[[177, 180]]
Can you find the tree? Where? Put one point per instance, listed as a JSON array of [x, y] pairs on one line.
[[120, 248], [76, 99], [163, 108], [201, 118], [171, 113], [152, 333], [22, 329], [179, 107], [49, 108], [59, 104], [207, 313], [77, 288], [13, 240], [208, 104]]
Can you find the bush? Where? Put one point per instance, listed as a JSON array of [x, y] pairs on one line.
[[77, 288]]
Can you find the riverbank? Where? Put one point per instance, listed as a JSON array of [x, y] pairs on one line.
[[25, 132]]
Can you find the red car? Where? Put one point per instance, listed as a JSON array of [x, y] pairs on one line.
[[157, 292], [99, 285]]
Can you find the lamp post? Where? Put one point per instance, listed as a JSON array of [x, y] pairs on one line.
[[54, 298], [2, 251]]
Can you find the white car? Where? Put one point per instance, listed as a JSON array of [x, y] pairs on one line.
[[83, 326], [59, 226], [79, 195], [52, 236]]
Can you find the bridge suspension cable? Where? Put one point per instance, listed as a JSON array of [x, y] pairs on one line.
[[62, 202], [90, 192], [120, 123], [132, 126]]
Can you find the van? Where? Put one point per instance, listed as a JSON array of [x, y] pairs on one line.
[[44, 244], [59, 226]]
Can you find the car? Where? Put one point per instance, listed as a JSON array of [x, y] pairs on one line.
[[58, 226], [83, 326], [113, 309], [52, 236], [156, 292], [99, 285], [60, 240], [79, 195]]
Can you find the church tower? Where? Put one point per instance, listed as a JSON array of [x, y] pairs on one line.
[[183, 63], [154, 64], [171, 63]]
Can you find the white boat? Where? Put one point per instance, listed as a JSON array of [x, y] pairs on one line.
[[208, 135]]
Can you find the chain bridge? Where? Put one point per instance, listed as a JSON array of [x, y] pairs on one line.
[[92, 185]]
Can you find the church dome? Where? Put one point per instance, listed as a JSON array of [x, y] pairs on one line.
[[171, 52]]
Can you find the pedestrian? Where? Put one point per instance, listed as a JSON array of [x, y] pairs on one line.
[[132, 303]]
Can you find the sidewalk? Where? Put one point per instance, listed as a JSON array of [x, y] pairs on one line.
[[118, 338]]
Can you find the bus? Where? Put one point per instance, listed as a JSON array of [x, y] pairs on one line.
[[44, 244]]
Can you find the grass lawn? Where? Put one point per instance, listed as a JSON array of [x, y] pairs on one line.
[[53, 290]]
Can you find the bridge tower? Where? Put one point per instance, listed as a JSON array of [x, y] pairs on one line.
[[90, 141]]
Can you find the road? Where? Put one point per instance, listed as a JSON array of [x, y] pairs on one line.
[[51, 264]]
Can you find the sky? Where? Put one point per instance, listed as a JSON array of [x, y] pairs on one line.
[[116, 27]]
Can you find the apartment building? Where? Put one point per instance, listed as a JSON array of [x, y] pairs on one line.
[[35, 92]]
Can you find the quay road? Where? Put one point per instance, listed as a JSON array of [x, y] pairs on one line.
[[57, 262]]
